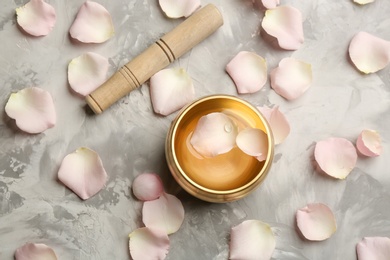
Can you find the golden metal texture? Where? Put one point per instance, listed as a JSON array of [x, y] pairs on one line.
[[226, 177]]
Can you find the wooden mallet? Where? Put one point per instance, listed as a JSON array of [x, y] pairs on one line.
[[170, 47]]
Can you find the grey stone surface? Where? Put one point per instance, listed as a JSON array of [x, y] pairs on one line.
[[129, 137]]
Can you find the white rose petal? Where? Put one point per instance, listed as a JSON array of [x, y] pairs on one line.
[[292, 78], [170, 90], [285, 24], [148, 244], [369, 53], [83, 172], [93, 24], [214, 134], [36, 18], [316, 222], [179, 8], [33, 110], [165, 213], [252, 239], [336, 157]]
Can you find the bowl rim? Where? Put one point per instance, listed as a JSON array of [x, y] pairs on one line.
[[253, 182]]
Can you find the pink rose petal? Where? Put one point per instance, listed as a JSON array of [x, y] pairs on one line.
[[179, 8], [33, 110], [363, 2], [369, 143], [285, 24], [36, 18], [292, 78], [93, 24], [336, 157], [148, 244], [87, 72], [248, 71], [252, 239], [270, 4], [369, 53], [373, 248], [278, 123], [165, 213], [316, 222], [32, 251], [214, 134], [147, 186], [253, 142], [170, 90], [83, 172]]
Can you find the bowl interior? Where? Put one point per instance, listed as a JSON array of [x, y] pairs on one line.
[[226, 172]]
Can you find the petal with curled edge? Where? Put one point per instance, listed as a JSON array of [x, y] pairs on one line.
[[36, 18], [370, 248], [253, 142], [148, 244], [179, 8], [93, 24], [277, 121], [248, 71], [170, 90], [165, 213], [33, 110], [369, 53], [316, 221], [82, 171], [335, 156], [270, 4], [252, 239], [363, 2], [369, 143], [87, 72], [214, 134], [32, 251], [292, 78], [285, 24], [147, 186]]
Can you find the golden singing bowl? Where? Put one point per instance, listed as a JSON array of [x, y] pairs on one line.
[[226, 177]]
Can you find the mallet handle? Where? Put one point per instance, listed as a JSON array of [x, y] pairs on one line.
[[170, 47]]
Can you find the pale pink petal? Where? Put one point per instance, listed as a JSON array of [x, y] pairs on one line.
[[292, 78], [32, 251], [285, 24], [36, 17], [147, 186], [369, 143], [316, 222], [82, 171], [33, 110], [179, 8], [269, 4], [214, 134], [336, 157], [369, 53], [373, 248], [148, 244], [248, 71], [165, 213], [253, 142], [278, 123], [170, 90], [93, 24], [252, 239], [363, 2], [87, 72]]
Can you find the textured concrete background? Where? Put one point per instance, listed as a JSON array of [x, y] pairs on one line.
[[129, 137]]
